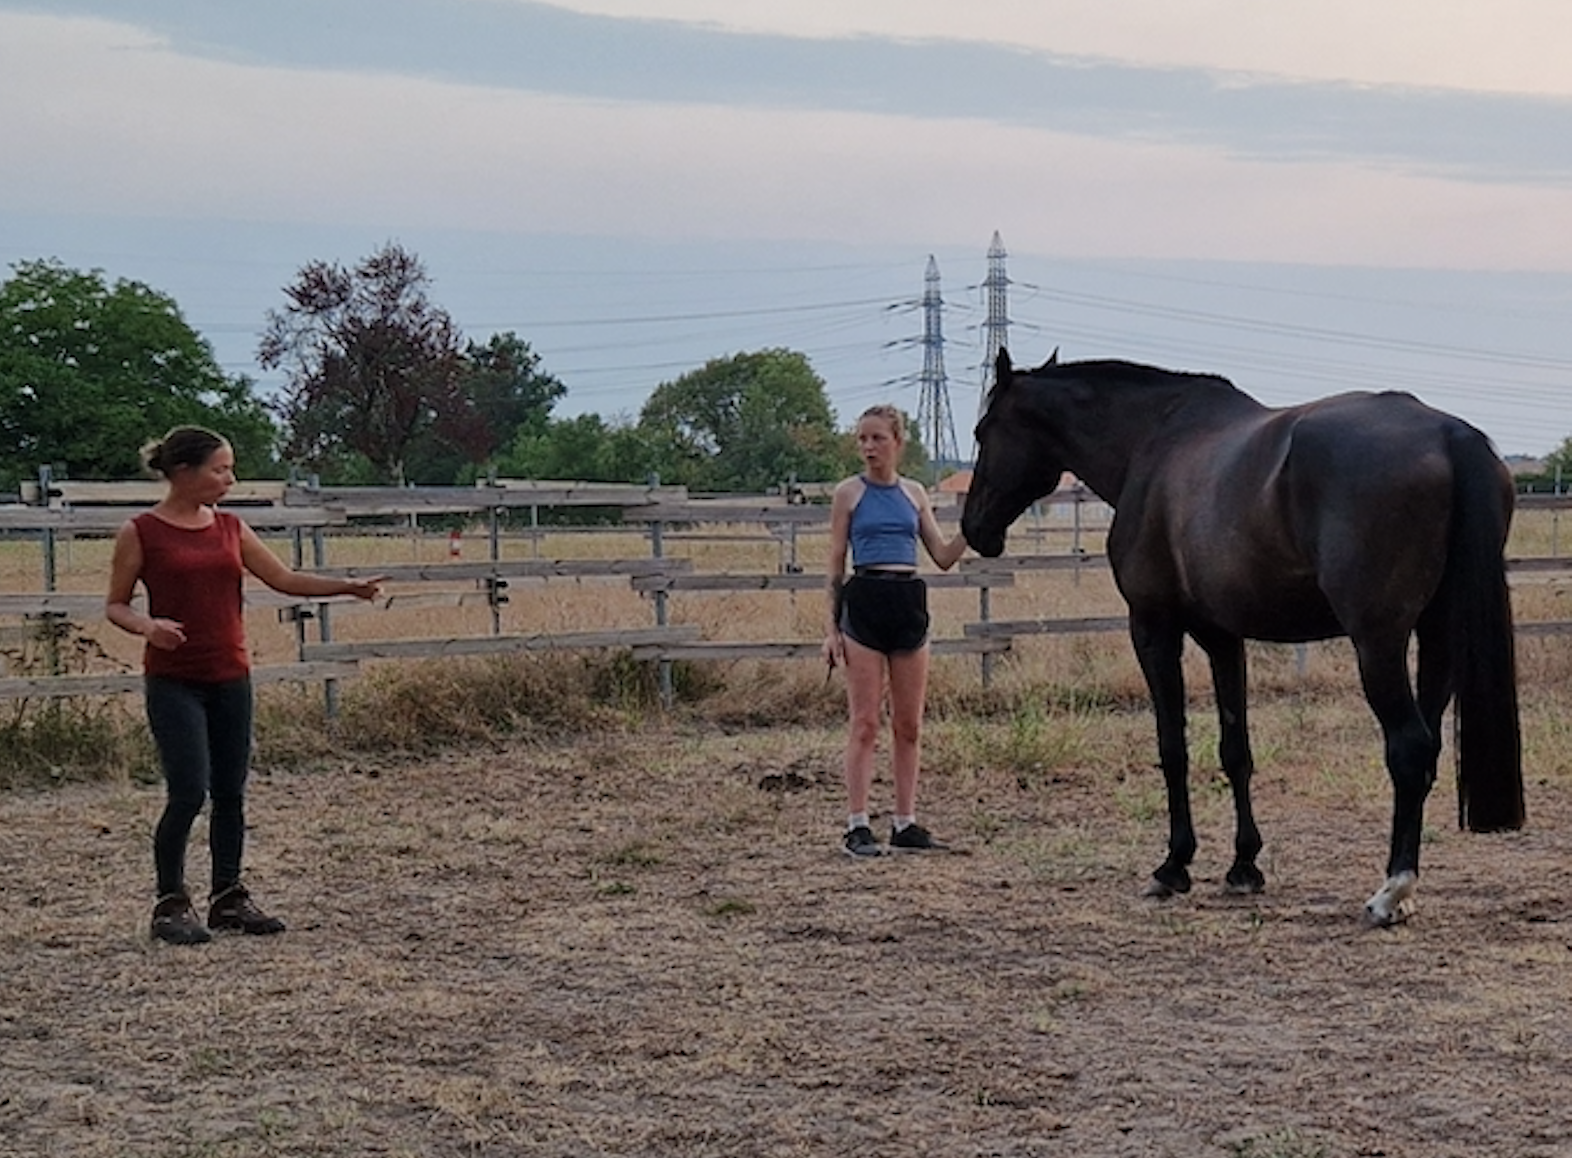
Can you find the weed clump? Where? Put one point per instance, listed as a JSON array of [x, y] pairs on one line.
[[86, 739], [427, 706]]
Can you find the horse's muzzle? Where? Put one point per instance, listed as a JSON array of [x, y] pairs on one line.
[[988, 545]]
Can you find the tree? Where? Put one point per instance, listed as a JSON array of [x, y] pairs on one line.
[[504, 394], [1558, 464], [90, 371], [373, 366], [1551, 472], [744, 423], [585, 448]]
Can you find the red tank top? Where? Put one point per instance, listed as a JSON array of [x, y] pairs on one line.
[[194, 578]]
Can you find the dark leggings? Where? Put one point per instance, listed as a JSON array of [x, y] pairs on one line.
[[203, 733]]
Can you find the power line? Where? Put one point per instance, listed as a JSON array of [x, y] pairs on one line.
[[1291, 329]]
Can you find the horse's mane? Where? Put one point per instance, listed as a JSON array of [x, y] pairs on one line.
[[1129, 373], [1099, 371]]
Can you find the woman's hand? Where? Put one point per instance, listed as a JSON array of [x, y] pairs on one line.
[[369, 588], [833, 649], [165, 634]]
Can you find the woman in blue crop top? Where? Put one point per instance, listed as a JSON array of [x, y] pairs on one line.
[[878, 627]]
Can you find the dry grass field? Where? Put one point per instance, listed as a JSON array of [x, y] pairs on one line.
[[531, 914]]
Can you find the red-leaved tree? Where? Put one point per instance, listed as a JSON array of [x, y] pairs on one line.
[[373, 366]]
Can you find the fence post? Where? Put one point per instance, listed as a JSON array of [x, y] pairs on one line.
[[794, 498], [496, 585], [51, 636], [1079, 491], [984, 608], [658, 551], [1555, 519], [47, 536], [324, 624], [303, 612]]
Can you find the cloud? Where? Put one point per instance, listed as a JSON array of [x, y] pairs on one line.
[[1506, 46], [123, 123], [540, 49]]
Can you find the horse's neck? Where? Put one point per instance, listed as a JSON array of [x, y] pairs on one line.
[[1101, 440], [1121, 423], [1107, 483]]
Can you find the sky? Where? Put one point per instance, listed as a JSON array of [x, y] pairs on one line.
[[1305, 197]]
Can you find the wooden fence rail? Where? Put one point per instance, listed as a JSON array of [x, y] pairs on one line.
[[100, 508]]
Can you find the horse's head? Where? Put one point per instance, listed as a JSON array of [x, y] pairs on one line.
[[1012, 470]]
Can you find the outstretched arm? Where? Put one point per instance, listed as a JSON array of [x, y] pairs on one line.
[[269, 568]]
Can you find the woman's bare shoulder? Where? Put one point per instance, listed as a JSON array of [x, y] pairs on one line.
[[849, 488]]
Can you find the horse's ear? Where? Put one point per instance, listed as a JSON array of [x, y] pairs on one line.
[[1002, 370], [1053, 359]]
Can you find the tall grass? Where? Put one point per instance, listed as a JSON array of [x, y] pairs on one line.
[[50, 742]]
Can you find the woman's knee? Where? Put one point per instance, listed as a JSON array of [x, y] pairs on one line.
[[864, 729], [184, 807], [906, 729]]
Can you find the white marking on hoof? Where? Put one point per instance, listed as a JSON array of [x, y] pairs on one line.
[[1393, 901], [1157, 890]]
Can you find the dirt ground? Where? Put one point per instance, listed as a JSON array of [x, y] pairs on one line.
[[649, 944]]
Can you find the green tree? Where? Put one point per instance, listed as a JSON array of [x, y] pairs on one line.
[[744, 423], [374, 367], [504, 394], [1552, 470], [585, 448], [90, 371], [1558, 464]]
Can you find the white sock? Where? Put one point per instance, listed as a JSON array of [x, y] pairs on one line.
[[904, 822], [857, 820]]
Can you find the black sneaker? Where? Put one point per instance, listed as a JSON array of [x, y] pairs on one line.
[[915, 838], [175, 921], [860, 842], [233, 910]]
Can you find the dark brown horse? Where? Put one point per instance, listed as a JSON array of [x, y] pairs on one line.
[[1366, 515]]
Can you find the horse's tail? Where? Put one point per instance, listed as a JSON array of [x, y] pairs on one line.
[[1484, 665]]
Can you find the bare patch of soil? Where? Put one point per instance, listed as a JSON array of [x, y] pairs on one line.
[[651, 945]]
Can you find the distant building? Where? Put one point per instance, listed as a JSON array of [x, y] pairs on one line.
[[1522, 464]]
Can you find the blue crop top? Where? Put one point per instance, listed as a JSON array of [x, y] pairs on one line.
[[884, 527]]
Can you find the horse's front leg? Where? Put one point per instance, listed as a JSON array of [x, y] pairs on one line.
[[1227, 656], [1159, 648]]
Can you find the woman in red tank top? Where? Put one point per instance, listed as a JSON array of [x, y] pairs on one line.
[[190, 559]]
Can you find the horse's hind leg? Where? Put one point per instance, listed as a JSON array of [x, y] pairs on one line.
[[1434, 682], [1159, 648], [1411, 750], [1227, 655]]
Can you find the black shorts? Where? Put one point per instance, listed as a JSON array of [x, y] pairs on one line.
[[885, 610]]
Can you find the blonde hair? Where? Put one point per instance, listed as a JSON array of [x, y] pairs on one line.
[[891, 415]]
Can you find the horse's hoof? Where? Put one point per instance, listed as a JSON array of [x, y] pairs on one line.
[[1393, 902], [1378, 918], [1244, 882], [1157, 891]]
